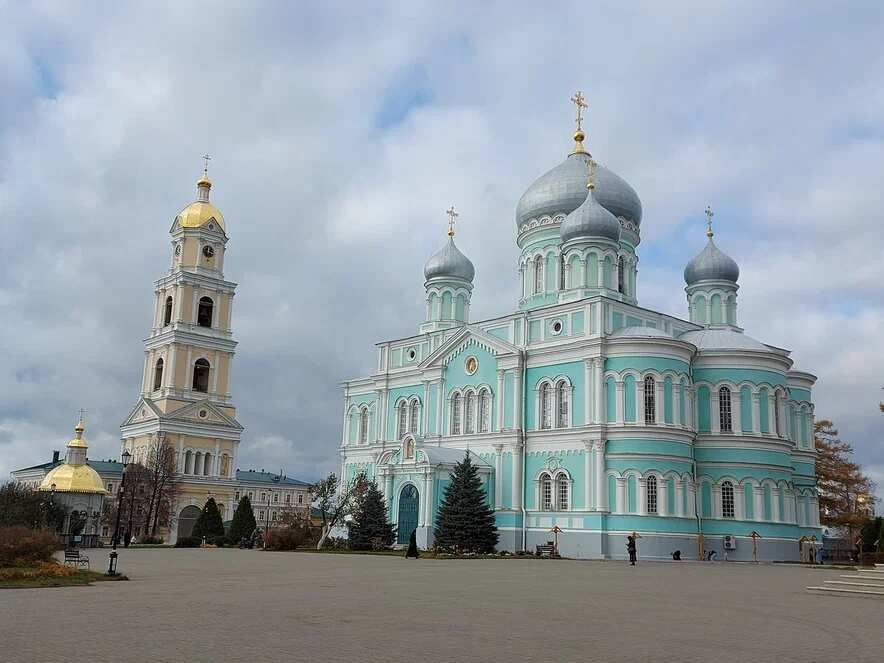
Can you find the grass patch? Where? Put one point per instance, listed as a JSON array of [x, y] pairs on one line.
[[49, 575], [425, 554]]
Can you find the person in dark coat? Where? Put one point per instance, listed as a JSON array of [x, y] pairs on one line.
[[630, 548], [412, 546]]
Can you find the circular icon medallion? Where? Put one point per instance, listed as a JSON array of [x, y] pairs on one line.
[[472, 365]]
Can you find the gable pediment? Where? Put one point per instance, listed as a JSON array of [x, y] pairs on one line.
[[202, 412], [459, 342], [144, 410]]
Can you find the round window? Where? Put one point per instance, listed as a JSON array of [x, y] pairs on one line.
[[211, 226], [471, 365], [412, 354], [556, 327], [203, 414]]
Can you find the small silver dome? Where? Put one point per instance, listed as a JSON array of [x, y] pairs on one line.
[[590, 220], [711, 264], [449, 262], [563, 189], [723, 339]]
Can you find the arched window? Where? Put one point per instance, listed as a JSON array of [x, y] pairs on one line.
[[363, 425], [725, 419], [402, 420], [167, 315], [776, 411], [538, 275], [562, 404], [414, 417], [455, 414], [470, 412], [621, 286], [650, 400], [727, 500], [652, 494], [201, 376], [158, 375], [561, 272], [546, 405], [204, 312], [484, 411], [562, 492], [546, 493]]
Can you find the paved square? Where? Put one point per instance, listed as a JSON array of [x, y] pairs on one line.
[[241, 605]]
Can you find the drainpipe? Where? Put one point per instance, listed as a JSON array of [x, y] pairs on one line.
[[522, 438]]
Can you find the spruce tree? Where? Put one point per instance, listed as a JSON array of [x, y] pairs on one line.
[[209, 523], [370, 529], [465, 523], [244, 522]]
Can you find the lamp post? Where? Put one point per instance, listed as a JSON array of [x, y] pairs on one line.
[[112, 557]]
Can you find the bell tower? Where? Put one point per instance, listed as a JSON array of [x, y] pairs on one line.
[[185, 388]]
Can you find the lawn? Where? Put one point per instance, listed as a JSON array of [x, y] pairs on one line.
[[49, 575]]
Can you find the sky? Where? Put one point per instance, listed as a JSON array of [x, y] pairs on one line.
[[341, 132]]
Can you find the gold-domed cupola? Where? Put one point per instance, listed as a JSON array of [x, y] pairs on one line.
[[74, 475], [201, 213]]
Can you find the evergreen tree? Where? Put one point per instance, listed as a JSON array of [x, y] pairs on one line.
[[209, 523], [370, 529], [465, 522], [244, 522]]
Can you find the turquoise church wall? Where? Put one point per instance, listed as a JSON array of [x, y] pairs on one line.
[[394, 396], [661, 364], [755, 376], [573, 371], [571, 461]]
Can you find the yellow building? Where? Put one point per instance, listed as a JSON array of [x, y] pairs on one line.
[[185, 390]]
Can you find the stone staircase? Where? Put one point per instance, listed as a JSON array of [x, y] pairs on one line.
[[865, 582]]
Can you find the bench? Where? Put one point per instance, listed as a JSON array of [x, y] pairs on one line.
[[72, 556], [546, 550]]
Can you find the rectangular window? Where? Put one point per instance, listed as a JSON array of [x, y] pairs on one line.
[[275, 498], [110, 487], [288, 499], [104, 531], [236, 496], [300, 498], [251, 495], [263, 496], [261, 514]]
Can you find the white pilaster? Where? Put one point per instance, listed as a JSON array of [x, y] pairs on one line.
[[619, 404], [663, 497], [498, 477], [737, 411], [660, 402], [518, 400], [756, 413], [775, 505], [758, 502], [587, 391], [518, 450], [692, 499], [599, 410], [771, 414], [425, 409], [714, 415], [641, 497], [679, 498], [716, 501], [676, 405], [640, 402], [622, 501], [601, 477], [499, 399], [588, 459], [739, 503], [440, 407]]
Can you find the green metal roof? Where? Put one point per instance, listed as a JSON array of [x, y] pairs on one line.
[[251, 476]]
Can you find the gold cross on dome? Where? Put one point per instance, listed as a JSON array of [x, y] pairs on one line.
[[452, 217], [709, 214], [206, 158], [81, 416], [579, 101]]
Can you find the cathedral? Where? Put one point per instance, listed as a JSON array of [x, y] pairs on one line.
[[585, 412]]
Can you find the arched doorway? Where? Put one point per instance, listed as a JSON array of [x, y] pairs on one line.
[[187, 519], [408, 503]]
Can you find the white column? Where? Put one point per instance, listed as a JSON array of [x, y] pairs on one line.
[[216, 458], [518, 400], [622, 501], [170, 369], [771, 415], [215, 373], [145, 379], [660, 402], [588, 459], [775, 505], [587, 392], [388, 491], [642, 497], [716, 500], [179, 296], [619, 404], [188, 371], [601, 477], [181, 454], [689, 408], [676, 405], [640, 402], [428, 501], [715, 405], [758, 502], [440, 407], [599, 410], [663, 497], [499, 399], [498, 477], [737, 411], [517, 476], [756, 413], [381, 418], [692, 499], [601, 270], [679, 498], [739, 503], [425, 409]]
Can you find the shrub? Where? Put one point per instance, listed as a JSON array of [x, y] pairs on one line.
[[44, 570], [219, 541], [285, 538], [188, 542], [21, 545], [150, 540]]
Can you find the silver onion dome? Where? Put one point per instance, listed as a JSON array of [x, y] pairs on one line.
[[563, 189], [711, 264], [451, 263], [590, 220]]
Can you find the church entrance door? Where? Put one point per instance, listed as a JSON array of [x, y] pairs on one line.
[[408, 503], [187, 520]]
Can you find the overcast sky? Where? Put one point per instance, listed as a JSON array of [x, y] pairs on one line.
[[340, 133]]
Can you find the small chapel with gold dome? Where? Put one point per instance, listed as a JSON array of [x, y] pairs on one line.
[[585, 410]]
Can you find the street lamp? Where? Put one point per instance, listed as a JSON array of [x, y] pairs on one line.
[[112, 557]]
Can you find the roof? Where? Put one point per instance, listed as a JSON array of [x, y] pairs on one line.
[[449, 456], [723, 339], [270, 478], [100, 466], [641, 332]]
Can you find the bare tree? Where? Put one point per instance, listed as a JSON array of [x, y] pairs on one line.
[[162, 484], [333, 505]]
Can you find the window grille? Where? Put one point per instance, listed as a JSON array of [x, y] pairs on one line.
[[538, 275], [563, 495], [415, 412], [363, 426], [652, 494], [562, 398], [727, 500], [546, 397], [455, 414], [470, 415], [650, 400], [402, 422], [620, 276], [725, 419], [483, 411], [546, 494]]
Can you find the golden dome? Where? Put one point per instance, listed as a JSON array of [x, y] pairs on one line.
[[199, 213], [73, 479]]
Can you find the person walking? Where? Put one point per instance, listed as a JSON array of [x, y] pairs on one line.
[[630, 548], [412, 546]]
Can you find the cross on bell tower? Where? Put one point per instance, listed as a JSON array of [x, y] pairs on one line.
[[709, 214], [452, 217]]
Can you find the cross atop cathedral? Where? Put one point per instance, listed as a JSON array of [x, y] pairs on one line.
[[709, 214], [452, 217], [590, 167], [81, 416], [206, 158], [579, 101]]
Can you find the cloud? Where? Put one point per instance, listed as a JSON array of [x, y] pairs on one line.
[[340, 134]]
